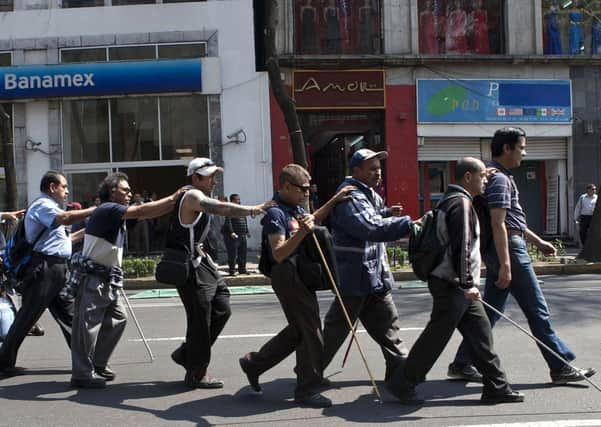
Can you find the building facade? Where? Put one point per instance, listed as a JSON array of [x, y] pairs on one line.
[[141, 87], [450, 73]]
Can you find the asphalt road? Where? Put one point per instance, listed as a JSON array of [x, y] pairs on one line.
[[153, 394]]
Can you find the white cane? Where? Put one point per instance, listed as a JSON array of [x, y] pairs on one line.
[[133, 316], [538, 341]]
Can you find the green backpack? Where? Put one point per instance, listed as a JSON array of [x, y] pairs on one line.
[[425, 248]]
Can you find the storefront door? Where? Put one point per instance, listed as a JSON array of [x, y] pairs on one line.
[[531, 186]]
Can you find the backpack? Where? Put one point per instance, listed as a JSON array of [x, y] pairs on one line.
[[425, 248], [483, 212], [18, 252]]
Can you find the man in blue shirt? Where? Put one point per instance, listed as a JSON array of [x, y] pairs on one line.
[[509, 266], [45, 223], [361, 225]]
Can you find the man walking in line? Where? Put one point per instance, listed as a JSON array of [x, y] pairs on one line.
[[583, 212], [509, 267], [100, 317], [361, 224], [235, 234], [453, 285], [45, 223]]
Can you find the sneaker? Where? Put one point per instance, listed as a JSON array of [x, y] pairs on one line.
[[94, 382], [464, 373], [106, 372], [314, 401], [253, 379], [36, 331], [205, 382], [493, 399], [568, 374]]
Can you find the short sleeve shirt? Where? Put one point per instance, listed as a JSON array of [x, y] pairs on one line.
[[105, 235], [501, 192], [40, 218], [281, 219]]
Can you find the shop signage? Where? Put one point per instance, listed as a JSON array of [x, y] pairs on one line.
[[350, 89], [100, 79], [494, 101]]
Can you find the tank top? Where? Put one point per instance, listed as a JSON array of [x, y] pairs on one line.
[[178, 234]]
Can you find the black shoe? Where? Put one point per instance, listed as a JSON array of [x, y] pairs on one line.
[[253, 379], [314, 401], [94, 382], [244, 272], [232, 273], [325, 383], [464, 373], [567, 374], [178, 356], [107, 373], [493, 399], [205, 382], [406, 395], [11, 371], [36, 331]]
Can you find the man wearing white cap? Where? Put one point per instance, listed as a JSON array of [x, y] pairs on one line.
[[361, 224], [205, 295]]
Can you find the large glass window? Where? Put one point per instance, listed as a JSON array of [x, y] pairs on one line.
[[181, 51], [85, 131], [126, 2], [83, 55], [82, 3], [337, 26], [5, 59], [134, 129], [7, 5], [132, 53], [184, 127], [83, 187], [571, 27], [460, 27]]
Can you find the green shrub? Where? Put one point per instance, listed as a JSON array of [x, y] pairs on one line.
[[397, 257], [139, 267]]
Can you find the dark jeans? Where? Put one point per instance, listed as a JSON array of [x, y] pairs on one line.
[[206, 299], [379, 316], [450, 311], [585, 223], [236, 253], [526, 291], [303, 333], [46, 279]]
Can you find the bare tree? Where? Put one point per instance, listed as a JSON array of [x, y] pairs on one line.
[[284, 101], [9, 159]]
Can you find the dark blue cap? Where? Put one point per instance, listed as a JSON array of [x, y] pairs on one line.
[[366, 154]]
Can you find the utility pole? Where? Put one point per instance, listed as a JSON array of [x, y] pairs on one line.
[[9, 159]]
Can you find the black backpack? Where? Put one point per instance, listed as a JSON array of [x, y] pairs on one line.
[[18, 252], [425, 248], [481, 207]]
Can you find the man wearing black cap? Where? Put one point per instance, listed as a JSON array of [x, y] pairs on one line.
[[361, 225], [205, 295]]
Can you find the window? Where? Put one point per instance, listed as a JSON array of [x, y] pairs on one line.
[[184, 127], [83, 55], [5, 59], [7, 6], [337, 26], [181, 51], [131, 53], [126, 2], [571, 27], [134, 129], [460, 27], [85, 131], [82, 3]]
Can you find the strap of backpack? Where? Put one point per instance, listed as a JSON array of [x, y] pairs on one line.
[[25, 229]]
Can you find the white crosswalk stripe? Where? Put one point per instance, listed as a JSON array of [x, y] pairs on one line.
[[558, 423]]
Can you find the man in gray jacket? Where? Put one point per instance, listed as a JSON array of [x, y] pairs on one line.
[[456, 298]]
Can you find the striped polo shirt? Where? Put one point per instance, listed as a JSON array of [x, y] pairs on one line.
[[501, 192]]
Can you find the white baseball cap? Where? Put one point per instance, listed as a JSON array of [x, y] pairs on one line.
[[203, 166]]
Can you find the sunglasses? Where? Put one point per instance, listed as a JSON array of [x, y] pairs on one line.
[[303, 188]]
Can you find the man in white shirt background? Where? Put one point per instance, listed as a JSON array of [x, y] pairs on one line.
[[583, 213]]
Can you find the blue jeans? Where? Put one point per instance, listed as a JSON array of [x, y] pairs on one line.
[[526, 291]]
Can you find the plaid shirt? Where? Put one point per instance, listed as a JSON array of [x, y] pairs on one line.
[[82, 266]]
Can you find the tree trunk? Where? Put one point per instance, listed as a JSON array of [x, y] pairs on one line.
[[9, 159], [284, 101], [592, 247]]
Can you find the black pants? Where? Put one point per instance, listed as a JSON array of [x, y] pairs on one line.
[[46, 279], [236, 253], [450, 311], [379, 316], [303, 333], [585, 223], [206, 299]]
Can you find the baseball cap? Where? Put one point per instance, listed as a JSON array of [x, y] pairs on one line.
[[366, 154], [203, 166]]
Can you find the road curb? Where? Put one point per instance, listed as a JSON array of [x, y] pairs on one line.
[[143, 283]]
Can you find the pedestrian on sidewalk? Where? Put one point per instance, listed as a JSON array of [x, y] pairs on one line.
[[509, 266], [235, 235], [583, 212]]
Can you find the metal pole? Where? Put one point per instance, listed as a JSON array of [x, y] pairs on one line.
[[133, 316], [346, 315], [538, 341], [348, 348]]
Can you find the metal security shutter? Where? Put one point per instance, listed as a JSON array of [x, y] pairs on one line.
[[546, 149], [432, 149]]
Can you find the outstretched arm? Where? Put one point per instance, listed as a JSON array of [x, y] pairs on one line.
[[198, 202], [155, 208], [323, 212]]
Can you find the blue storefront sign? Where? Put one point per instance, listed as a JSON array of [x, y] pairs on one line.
[[494, 101], [100, 79]]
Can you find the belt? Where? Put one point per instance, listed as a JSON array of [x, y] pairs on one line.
[[52, 258], [515, 232]]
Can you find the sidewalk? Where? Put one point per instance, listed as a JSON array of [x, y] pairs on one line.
[[564, 265]]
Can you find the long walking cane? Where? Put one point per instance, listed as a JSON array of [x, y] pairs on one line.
[[537, 340], [348, 348], [346, 315], [133, 316]]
